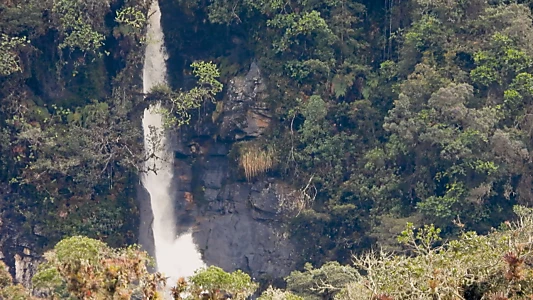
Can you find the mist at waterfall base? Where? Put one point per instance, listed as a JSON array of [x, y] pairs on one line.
[[175, 256]]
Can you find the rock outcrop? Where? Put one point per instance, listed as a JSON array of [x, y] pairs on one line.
[[245, 114], [17, 245]]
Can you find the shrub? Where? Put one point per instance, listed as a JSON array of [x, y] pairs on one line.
[[214, 283], [472, 267], [85, 268], [277, 294]]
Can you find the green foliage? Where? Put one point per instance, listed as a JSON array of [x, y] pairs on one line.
[[81, 23], [419, 110], [277, 294], [295, 25], [421, 240], [215, 280], [315, 110], [207, 74], [68, 140], [321, 283], [473, 266], [5, 277], [181, 102], [64, 174], [425, 33], [501, 63], [84, 268], [15, 292], [9, 59], [316, 142], [24, 18], [483, 265], [131, 16]]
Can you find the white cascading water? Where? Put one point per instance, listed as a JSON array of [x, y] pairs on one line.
[[176, 256]]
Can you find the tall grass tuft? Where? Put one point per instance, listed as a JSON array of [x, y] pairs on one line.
[[256, 162]]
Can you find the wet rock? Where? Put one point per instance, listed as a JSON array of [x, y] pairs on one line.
[[146, 237], [238, 224], [266, 200], [216, 173], [211, 195], [246, 233], [218, 149], [256, 123], [237, 240], [38, 230]]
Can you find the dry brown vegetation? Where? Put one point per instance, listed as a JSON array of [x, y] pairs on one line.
[[255, 162]]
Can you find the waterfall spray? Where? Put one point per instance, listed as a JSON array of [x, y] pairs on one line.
[[175, 256]]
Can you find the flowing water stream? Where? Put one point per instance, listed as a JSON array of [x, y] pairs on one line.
[[176, 256]]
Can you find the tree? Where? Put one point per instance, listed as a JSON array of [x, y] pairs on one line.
[[320, 283], [81, 23], [85, 268], [179, 103], [9, 59], [473, 266], [213, 283]]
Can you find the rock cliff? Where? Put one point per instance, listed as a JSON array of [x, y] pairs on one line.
[[236, 224]]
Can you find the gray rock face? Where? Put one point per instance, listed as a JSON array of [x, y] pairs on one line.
[[25, 268], [242, 231], [146, 237], [236, 224]]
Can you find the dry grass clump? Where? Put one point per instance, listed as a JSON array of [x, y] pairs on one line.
[[256, 162]]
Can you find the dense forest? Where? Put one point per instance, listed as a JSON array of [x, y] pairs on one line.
[[383, 113]]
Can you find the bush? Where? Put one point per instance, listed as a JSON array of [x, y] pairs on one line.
[[473, 267], [277, 294], [85, 268], [214, 283]]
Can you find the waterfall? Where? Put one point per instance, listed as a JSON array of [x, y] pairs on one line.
[[176, 256]]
